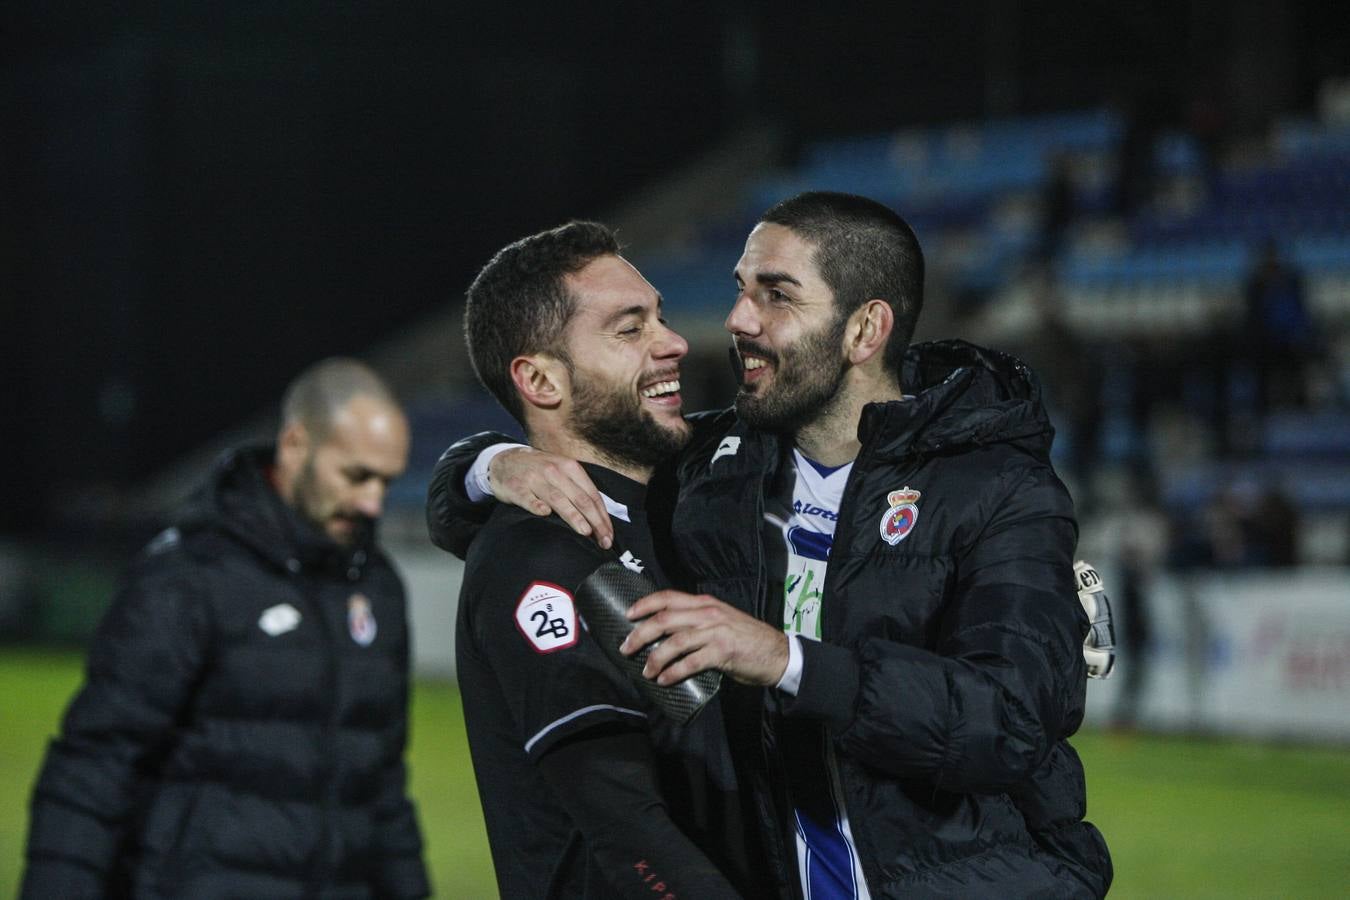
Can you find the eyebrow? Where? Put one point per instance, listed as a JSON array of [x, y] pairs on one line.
[[771, 278], [637, 309]]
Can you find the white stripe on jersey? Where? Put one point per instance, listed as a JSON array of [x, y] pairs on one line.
[[557, 723]]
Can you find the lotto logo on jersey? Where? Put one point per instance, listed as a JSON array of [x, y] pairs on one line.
[[901, 518], [547, 617]]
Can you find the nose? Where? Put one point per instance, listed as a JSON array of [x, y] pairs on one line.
[[670, 345], [370, 499], [743, 318]]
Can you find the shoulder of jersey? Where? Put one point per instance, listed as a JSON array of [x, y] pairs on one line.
[[518, 531]]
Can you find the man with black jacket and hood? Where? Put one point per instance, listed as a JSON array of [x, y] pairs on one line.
[[884, 560], [241, 728]]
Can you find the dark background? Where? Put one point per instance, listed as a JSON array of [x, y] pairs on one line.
[[197, 199]]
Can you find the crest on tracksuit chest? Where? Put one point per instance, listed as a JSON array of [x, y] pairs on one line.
[[902, 514], [361, 624]]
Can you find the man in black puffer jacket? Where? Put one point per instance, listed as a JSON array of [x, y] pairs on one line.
[[885, 560], [242, 726]]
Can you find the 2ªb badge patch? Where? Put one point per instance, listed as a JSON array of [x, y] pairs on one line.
[[547, 617]]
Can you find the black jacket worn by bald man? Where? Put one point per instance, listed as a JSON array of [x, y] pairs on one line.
[[241, 728]]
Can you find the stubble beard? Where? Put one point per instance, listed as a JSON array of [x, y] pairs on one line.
[[310, 504], [807, 381], [619, 429]]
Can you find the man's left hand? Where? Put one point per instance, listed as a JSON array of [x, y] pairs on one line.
[[699, 632]]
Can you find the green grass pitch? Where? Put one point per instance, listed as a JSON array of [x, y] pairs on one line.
[[1184, 818]]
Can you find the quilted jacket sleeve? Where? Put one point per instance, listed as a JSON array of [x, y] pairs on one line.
[[452, 519]]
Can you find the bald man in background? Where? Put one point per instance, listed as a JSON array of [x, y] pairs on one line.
[[241, 728]]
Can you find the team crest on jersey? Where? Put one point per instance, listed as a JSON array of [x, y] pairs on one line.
[[361, 623], [900, 519], [547, 617]]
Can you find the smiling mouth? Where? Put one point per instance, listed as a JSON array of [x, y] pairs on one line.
[[755, 363], [661, 390]]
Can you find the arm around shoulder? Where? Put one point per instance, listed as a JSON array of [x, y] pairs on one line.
[[452, 518]]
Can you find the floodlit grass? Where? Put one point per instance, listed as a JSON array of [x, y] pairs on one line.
[[1184, 818]]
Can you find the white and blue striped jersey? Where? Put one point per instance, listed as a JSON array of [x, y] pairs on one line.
[[801, 532]]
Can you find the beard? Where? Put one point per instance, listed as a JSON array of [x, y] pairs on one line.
[[807, 378], [613, 422], [316, 509]]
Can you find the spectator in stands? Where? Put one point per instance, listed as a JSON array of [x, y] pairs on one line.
[[1058, 206], [1143, 116], [1279, 338], [241, 729], [1206, 120], [1142, 532], [1246, 525], [1070, 372], [1272, 529]]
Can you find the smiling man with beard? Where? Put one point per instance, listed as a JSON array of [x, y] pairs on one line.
[[883, 557], [588, 789]]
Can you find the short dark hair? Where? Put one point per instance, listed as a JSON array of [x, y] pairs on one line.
[[864, 251], [519, 304]]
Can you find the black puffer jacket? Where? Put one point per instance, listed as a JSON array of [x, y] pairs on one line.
[[242, 726], [950, 670]]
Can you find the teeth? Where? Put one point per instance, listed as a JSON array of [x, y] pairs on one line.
[[754, 362], [661, 387]]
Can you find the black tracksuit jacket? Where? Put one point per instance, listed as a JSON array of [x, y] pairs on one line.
[[241, 729], [587, 790], [950, 672]]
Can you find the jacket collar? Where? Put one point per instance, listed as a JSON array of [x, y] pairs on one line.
[[628, 495], [239, 499], [963, 396]]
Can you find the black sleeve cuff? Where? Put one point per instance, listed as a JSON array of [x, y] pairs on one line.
[[829, 685], [452, 520]]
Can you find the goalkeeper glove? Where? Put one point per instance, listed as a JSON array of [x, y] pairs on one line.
[[1099, 647]]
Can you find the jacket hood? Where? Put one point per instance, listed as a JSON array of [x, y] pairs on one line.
[[962, 396], [239, 500]]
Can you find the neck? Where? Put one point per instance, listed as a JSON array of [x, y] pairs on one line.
[[831, 439], [573, 447]]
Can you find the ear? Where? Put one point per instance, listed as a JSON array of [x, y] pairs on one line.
[[540, 380], [868, 331], [293, 444]]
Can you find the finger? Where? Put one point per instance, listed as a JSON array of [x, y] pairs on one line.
[[641, 636], [686, 666], [670, 650], [561, 503], [657, 601], [531, 502], [585, 497], [666, 625]]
